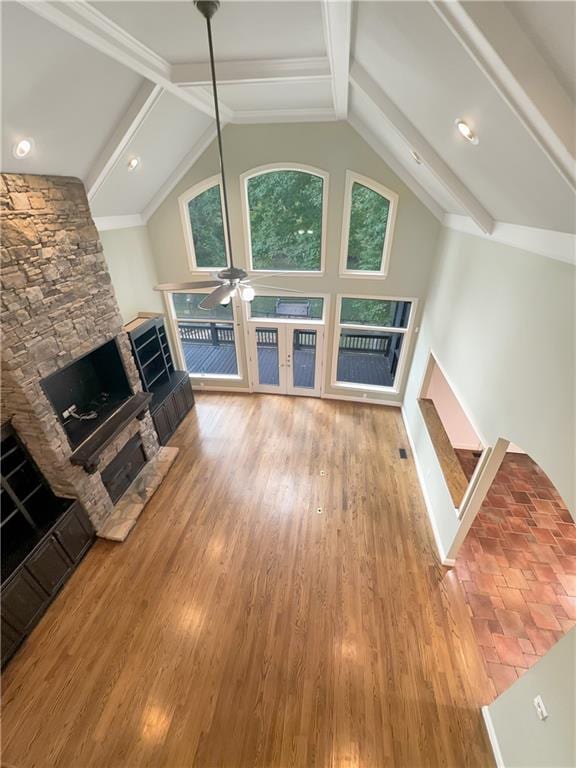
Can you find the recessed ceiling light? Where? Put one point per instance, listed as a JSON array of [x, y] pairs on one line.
[[22, 148], [133, 163], [465, 131], [416, 157]]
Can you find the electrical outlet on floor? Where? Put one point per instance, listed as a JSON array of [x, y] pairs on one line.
[[540, 708]]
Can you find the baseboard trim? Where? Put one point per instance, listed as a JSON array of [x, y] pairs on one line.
[[493, 738], [354, 399], [447, 561]]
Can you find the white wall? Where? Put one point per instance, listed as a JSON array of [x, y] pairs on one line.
[[500, 322], [333, 147], [129, 258], [523, 739]]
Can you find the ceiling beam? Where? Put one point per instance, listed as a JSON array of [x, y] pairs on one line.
[[513, 64], [147, 96], [87, 24], [256, 71], [337, 20], [414, 139]]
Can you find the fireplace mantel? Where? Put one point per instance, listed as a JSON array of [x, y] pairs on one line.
[[88, 454]]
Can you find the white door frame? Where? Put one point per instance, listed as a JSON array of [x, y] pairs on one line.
[[285, 330]]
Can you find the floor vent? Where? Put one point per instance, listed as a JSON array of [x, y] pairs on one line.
[[403, 454]]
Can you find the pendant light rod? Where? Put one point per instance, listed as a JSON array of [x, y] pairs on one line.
[[208, 8]]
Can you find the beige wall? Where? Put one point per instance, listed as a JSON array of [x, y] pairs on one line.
[[333, 147], [500, 322], [523, 739], [129, 258]]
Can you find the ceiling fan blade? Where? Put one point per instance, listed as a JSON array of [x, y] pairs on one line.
[[217, 296], [283, 290], [175, 287]]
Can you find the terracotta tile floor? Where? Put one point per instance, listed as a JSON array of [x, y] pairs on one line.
[[518, 568]]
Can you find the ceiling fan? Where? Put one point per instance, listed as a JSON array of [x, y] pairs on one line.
[[232, 280]]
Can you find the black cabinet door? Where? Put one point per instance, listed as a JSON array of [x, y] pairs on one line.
[[188, 394], [172, 411], [180, 402], [11, 639], [49, 565], [162, 424], [23, 601], [73, 536]]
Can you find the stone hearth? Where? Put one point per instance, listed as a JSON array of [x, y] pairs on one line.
[[57, 304]]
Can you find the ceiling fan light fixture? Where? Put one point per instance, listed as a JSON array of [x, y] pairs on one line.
[[247, 293]]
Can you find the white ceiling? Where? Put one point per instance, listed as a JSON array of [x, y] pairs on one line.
[[94, 84], [552, 27], [242, 30], [59, 91]]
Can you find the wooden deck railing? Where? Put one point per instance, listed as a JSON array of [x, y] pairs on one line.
[[223, 333]]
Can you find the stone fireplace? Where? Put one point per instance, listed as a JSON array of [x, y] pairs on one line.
[[58, 305]]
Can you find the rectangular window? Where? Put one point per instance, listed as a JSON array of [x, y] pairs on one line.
[[370, 342], [287, 307], [285, 210], [207, 337], [201, 209], [369, 215]]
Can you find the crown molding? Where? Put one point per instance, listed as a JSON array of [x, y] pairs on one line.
[[306, 115], [255, 71], [560, 246]]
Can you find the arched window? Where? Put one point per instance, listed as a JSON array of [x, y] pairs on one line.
[[367, 227], [201, 210], [285, 218]]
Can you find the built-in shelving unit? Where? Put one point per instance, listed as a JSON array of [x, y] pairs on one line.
[[172, 395], [43, 537]]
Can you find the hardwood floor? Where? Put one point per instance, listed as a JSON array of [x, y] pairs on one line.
[[238, 627]]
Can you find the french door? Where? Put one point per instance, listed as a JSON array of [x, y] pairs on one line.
[[286, 358]]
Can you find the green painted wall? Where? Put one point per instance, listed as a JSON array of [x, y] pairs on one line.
[[332, 147]]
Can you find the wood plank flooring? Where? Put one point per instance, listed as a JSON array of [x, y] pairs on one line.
[[238, 627]]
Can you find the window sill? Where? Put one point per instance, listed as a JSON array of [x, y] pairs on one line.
[[365, 387], [359, 274]]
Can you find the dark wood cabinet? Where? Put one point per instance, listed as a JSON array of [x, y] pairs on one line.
[[73, 535], [22, 601], [49, 565], [172, 393], [43, 538]]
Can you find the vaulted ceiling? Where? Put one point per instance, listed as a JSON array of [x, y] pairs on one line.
[[95, 84]]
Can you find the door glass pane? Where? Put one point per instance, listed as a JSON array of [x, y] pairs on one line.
[[303, 358], [267, 352]]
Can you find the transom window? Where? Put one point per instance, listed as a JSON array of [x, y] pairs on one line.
[[287, 308], [369, 342], [368, 225], [201, 210], [207, 338], [285, 214]]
